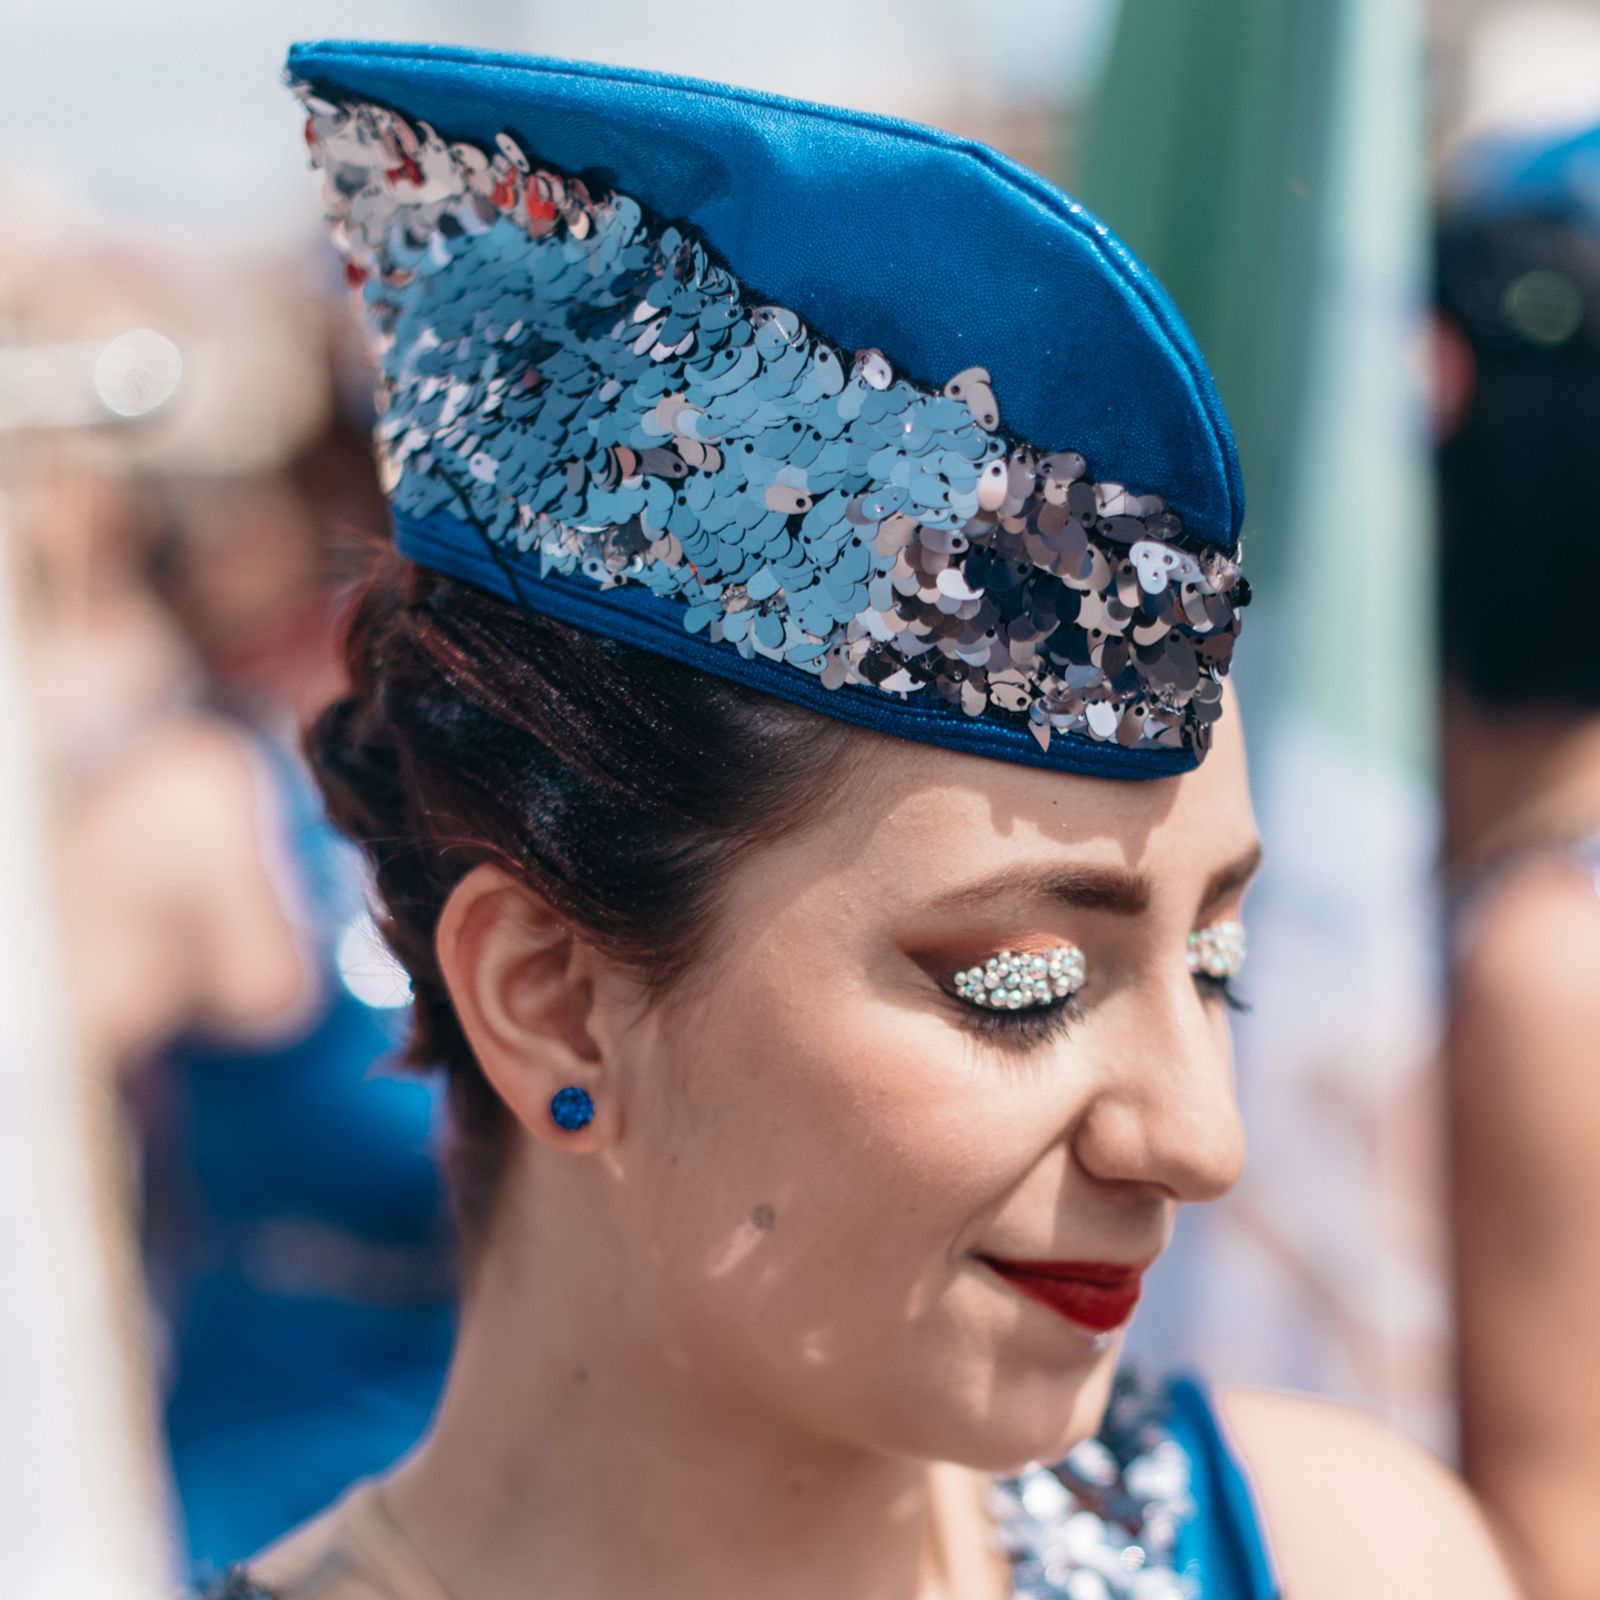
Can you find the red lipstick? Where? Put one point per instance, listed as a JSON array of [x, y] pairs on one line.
[[1099, 1295]]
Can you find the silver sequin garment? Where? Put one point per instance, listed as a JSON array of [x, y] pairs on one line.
[[1102, 1523], [597, 396]]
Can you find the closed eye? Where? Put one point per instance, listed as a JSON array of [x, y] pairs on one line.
[[1024, 1029], [1221, 989]]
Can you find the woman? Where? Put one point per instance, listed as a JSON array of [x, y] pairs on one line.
[[1519, 315], [809, 863]]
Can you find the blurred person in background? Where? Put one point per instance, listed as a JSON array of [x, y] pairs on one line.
[[110, 662], [1518, 266], [225, 960]]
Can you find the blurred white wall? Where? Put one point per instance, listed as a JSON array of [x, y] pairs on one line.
[[1513, 69], [172, 111]]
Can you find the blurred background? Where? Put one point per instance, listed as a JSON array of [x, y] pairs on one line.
[[220, 1224]]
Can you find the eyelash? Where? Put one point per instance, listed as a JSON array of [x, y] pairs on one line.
[[1037, 1025], [1026, 1028], [1224, 991]]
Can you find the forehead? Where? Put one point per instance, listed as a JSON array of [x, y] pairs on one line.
[[910, 821]]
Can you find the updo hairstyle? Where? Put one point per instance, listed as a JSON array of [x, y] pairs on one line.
[[619, 786]]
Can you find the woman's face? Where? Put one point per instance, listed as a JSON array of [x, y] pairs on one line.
[[820, 1142]]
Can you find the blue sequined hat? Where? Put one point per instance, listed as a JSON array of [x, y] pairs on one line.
[[723, 375]]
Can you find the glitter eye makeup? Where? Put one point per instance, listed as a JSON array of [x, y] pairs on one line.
[[1216, 958], [1012, 980], [1039, 985], [1021, 997], [1217, 951]]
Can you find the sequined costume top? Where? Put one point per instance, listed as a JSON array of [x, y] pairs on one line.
[[296, 1241], [1156, 1507]]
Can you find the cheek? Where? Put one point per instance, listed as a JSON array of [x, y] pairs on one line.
[[828, 1143], [837, 1161]]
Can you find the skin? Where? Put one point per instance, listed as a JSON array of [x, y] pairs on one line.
[[1525, 1137], [733, 1336], [190, 928]]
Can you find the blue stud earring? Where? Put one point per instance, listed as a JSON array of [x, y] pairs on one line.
[[571, 1107]]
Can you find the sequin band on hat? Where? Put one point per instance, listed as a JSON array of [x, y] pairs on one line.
[[622, 427]]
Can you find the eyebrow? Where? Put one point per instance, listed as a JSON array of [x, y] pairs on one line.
[[1113, 889], [1230, 879]]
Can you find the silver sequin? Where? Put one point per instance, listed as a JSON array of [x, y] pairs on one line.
[[1106, 1519], [596, 394]]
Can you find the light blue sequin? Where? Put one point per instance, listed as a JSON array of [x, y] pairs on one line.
[[577, 383]]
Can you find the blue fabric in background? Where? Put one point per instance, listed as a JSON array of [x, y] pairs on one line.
[[935, 249], [1529, 174], [282, 1389]]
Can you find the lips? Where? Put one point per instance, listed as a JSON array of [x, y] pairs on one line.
[[1099, 1295]]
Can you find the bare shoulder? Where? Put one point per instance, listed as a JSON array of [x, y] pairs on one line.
[[1524, 1016], [1354, 1506], [1536, 939], [190, 787], [186, 747]]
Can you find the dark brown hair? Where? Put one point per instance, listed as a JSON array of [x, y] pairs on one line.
[[618, 785], [1518, 490]]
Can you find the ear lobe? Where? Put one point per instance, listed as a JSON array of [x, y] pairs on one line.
[[523, 991]]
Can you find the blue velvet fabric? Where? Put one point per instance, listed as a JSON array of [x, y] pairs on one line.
[[935, 249]]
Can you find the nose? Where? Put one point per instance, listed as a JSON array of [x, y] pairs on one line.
[[1164, 1114]]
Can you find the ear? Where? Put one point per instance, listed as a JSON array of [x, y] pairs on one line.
[[522, 986]]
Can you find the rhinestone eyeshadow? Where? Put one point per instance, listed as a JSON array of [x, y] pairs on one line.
[[1010, 980], [599, 399], [1218, 951]]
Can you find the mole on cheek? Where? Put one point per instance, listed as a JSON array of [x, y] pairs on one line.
[[765, 1217]]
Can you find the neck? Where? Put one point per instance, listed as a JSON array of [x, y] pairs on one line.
[[1517, 778], [573, 1456]]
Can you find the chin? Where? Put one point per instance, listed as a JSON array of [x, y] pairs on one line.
[[1039, 1416]]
